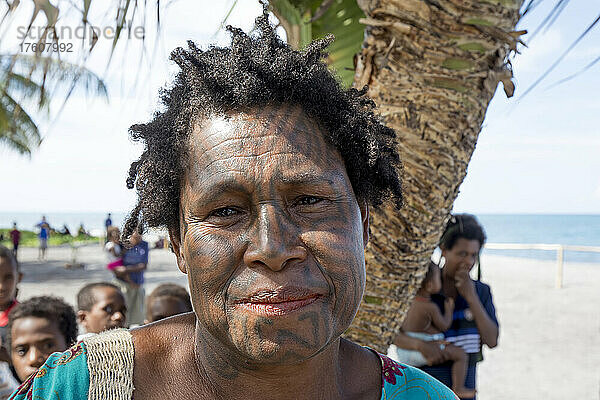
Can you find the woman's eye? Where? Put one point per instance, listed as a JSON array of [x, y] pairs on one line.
[[224, 212], [308, 200]]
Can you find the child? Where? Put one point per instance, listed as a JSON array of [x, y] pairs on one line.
[[9, 278], [100, 306], [113, 248], [37, 328], [165, 301], [425, 321]]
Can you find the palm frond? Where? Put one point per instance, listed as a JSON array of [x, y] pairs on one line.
[[530, 6], [307, 20], [562, 56], [576, 74], [224, 20], [549, 19], [18, 131], [14, 82], [59, 73]]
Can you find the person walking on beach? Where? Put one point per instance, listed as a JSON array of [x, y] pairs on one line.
[[130, 278], [43, 237], [107, 225], [15, 236], [474, 320]]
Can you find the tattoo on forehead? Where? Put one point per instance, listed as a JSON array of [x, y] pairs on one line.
[[254, 72], [272, 121]]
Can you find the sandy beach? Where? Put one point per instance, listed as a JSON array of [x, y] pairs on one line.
[[549, 344]]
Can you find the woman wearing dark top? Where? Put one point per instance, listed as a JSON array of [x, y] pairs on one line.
[[474, 321]]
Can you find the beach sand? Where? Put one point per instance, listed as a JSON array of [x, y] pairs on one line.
[[549, 345]]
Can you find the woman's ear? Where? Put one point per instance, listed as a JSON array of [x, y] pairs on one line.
[[364, 216], [175, 238]]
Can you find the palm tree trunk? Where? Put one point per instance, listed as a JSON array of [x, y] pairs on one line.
[[432, 67]]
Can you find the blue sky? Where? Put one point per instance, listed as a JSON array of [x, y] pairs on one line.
[[538, 154]]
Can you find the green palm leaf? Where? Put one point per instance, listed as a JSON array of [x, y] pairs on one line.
[[307, 20], [18, 131], [342, 20], [29, 82]]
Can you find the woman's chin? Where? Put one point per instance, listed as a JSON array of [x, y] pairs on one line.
[[275, 352], [282, 345]]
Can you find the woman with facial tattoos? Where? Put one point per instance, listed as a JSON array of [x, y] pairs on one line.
[[263, 170]]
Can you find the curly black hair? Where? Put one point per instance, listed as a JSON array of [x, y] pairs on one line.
[[256, 71], [86, 297], [50, 308], [464, 226]]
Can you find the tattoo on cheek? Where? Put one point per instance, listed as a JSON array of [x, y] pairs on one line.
[[314, 319], [347, 282]]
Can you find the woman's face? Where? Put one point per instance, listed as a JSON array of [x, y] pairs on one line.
[[271, 235], [461, 256]]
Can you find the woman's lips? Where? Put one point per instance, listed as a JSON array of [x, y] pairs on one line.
[[276, 309], [271, 303]]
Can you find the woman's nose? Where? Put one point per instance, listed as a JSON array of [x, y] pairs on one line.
[[274, 243]]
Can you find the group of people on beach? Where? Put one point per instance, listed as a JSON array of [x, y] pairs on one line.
[[33, 329], [44, 230], [43, 235], [264, 171]]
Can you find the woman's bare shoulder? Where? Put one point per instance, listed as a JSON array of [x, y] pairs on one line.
[[162, 350], [361, 369], [169, 332]]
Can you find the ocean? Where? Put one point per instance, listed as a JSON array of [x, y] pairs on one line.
[[583, 230]]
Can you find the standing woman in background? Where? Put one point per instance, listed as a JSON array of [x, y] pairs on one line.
[[474, 321]]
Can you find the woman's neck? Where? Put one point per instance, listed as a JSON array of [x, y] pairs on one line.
[[230, 377], [448, 288]]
